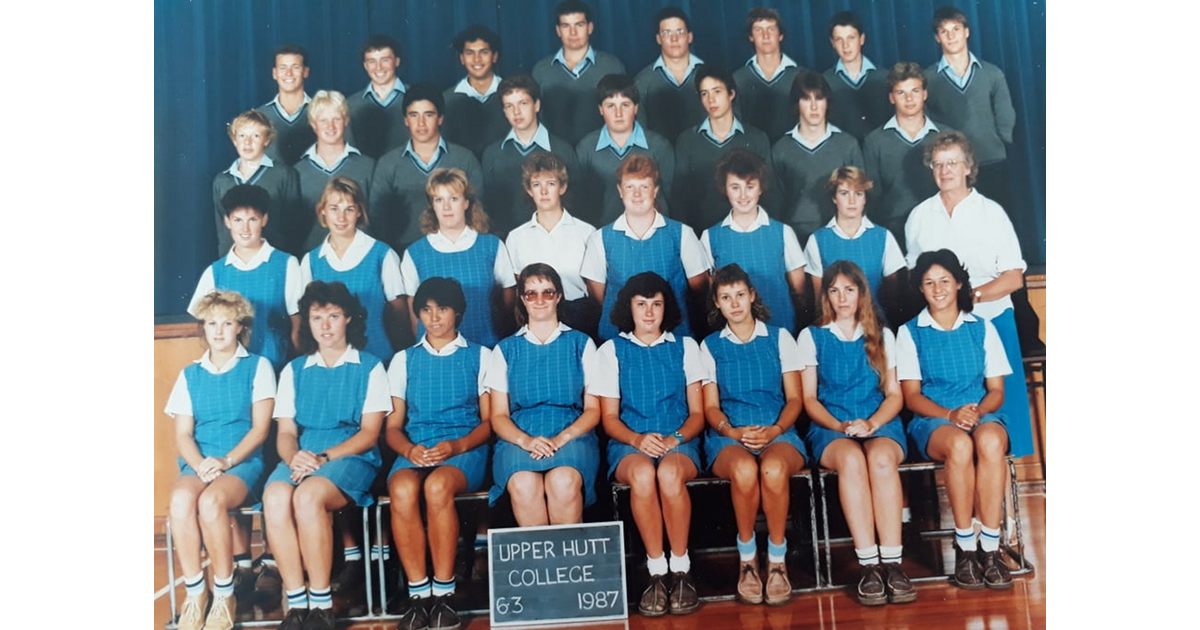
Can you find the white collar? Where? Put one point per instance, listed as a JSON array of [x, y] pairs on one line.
[[760, 220], [206, 361], [837, 331], [862, 228], [448, 349], [362, 242], [760, 330], [665, 337], [532, 338], [925, 319], [349, 356]]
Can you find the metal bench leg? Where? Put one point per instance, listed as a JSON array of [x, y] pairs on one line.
[[366, 532], [171, 577], [812, 524], [828, 577]]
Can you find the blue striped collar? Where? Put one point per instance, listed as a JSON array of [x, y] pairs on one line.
[[397, 91], [437, 154], [464, 87], [589, 60], [237, 174], [840, 69], [693, 61], [925, 130], [315, 158], [944, 66], [541, 138], [636, 138], [706, 131]]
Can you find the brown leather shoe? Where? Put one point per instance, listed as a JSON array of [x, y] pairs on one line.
[[900, 589], [779, 589], [683, 598], [654, 598], [870, 590], [968, 574], [995, 572], [749, 585], [193, 610]]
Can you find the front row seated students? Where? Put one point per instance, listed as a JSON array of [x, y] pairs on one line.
[[330, 156], [222, 409], [851, 236], [642, 239], [766, 249], [368, 267], [506, 200], [804, 157], [330, 407], [398, 186], [457, 245], [474, 117], [697, 202], [286, 111], [377, 112], [649, 382], [603, 150], [547, 454], [555, 237], [439, 429], [268, 278], [853, 400], [951, 365], [752, 399], [252, 134]]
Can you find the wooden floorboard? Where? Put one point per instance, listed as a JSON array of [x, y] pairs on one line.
[[939, 605]]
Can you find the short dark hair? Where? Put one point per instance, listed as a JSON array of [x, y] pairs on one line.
[[948, 14], [617, 85], [443, 292], [567, 7], [809, 82], [291, 49], [946, 259], [424, 92], [846, 18], [646, 284], [319, 293], [723, 277], [537, 270], [904, 71], [246, 196], [519, 82], [474, 32], [713, 71], [667, 13], [758, 14], [379, 42], [742, 163]]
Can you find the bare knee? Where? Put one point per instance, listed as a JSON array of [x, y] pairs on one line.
[[526, 489], [744, 474], [990, 444], [563, 485], [307, 503], [211, 507], [642, 479], [672, 478], [403, 491], [774, 473], [277, 502], [439, 491], [183, 504], [960, 450]]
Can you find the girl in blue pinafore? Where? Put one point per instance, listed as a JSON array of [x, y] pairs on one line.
[[369, 268], [640, 240], [850, 235], [951, 365], [222, 408], [439, 430], [267, 277], [648, 382], [458, 247], [547, 454], [852, 398], [767, 250], [330, 408], [751, 403]]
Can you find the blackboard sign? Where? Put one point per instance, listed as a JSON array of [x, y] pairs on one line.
[[557, 574]]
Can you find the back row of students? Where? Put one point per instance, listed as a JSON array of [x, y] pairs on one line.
[[544, 390], [684, 113]]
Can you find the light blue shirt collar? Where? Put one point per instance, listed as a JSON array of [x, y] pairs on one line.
[[437, 154], [926, 130], [637, 138], [315, 158], [785, 63], [693, 61], [398, 90], [961, 82], [589, 60], [706, 130], [541, 138], [830, 129], [840, 70], [465, 87], [237, 175], [293, 116]]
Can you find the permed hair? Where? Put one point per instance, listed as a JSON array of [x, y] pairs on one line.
[[234, 305], [319, 293], [456, 180], [729, 275]]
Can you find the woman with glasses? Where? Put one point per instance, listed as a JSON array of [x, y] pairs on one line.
[[547, 454]]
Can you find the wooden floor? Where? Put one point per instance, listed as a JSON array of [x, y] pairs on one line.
[[939, 605]]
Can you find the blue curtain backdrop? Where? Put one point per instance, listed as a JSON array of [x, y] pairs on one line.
[[212, 60]]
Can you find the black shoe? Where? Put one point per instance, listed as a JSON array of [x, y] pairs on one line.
[[479, 566], [268, 588], [319, 619], [243, 582], [654, 598], [968, 574], [294, 619], [351, 578], [442, 616], [682, 598], [900, 589], [398, 600], [995, 572], [417, 617], [870, 590]]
